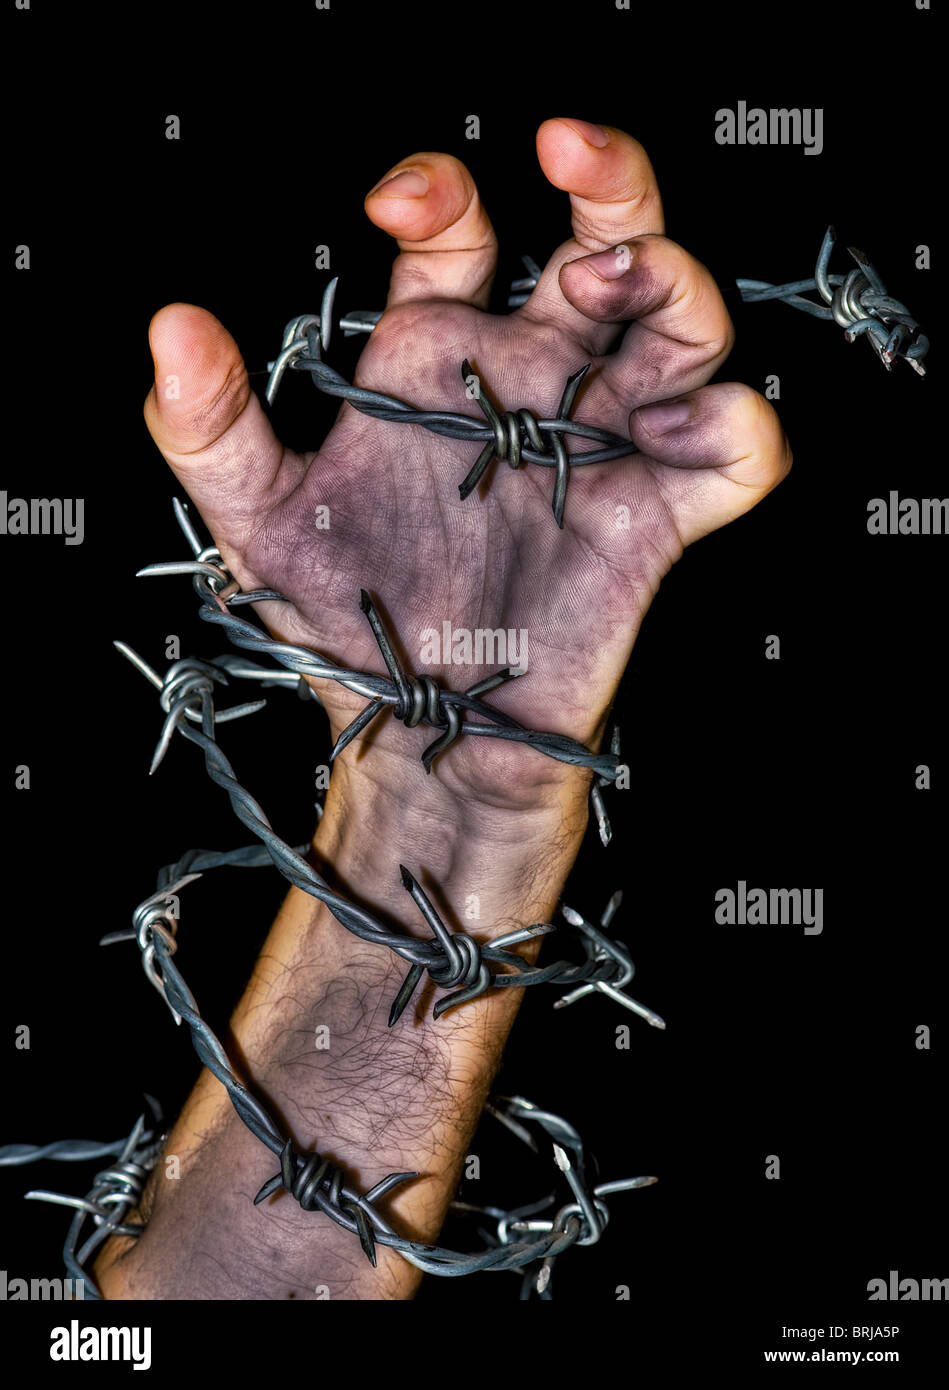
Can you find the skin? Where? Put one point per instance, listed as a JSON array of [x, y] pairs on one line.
[[494, 818]]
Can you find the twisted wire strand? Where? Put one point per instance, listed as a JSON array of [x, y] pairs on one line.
[[313, 1180], [588, 1206], [453, 960], [518, 437], [64, 1150], [115, 1191], [858, 302], [411, 699]]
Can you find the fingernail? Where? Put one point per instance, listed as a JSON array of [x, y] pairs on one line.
[[407, 183], [610, 265], [592, 134], [665, 416]]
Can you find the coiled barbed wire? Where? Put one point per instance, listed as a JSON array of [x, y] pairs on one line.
[[116, 1191], [319, 1185], [453, 960], [588, 1206], [858, 302], [315, 1181], [516, 436], [411, 699]]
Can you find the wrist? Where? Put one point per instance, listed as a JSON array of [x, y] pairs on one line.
[[479, 775], [489, 864]]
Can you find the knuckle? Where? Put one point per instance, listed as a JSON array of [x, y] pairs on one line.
[[616, 216], [720, 344]]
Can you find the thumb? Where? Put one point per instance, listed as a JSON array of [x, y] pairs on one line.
[[208, 424]]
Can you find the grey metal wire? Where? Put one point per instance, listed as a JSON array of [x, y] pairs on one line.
[[454, 961], [517, 436], [413, 700], [315, 1182], [64, 1150], [858, 302], [114, 1194], [520, 1242]]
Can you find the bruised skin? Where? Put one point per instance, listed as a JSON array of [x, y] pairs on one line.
[[496, 560], [399, 528]]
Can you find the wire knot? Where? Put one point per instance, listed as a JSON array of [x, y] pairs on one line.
[[592, 1222], [186, 691], [317, 1172], [157, 921], [123, 1184], [858, 302], [456, 961], [507, 432], [320, 1185], [507, 443], [186, 683], [419, 699], [462, 962]]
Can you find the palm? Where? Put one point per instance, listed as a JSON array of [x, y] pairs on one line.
[[398, 528]]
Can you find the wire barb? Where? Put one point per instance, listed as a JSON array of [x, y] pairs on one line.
[[452, 960], [314, 1180], [858, 302], [517, 436], [413, 700]]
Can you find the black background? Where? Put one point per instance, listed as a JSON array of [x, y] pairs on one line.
[[792, 772]]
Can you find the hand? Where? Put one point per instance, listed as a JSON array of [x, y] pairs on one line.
[[408, 1098], [657, 330]]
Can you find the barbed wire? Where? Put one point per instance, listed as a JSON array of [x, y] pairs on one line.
[[859, 302], [453, 960], [518, 437], [115, 1193], [315, 1181], [413, 700], [580, 1222]]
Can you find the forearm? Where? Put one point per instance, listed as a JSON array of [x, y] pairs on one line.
[[311, 1034]]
